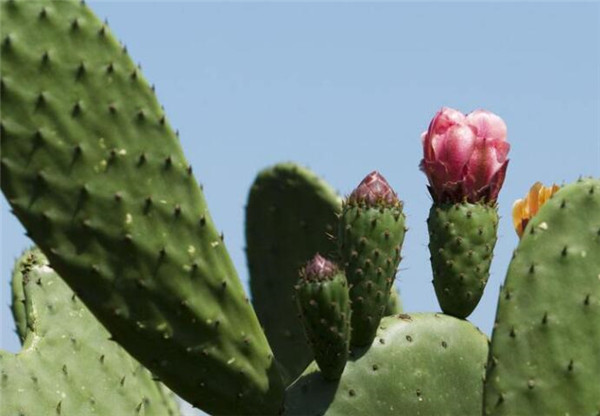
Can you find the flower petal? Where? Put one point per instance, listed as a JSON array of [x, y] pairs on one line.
[[487, 125]]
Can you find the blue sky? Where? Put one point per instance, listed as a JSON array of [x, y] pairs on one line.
[[346, 88]]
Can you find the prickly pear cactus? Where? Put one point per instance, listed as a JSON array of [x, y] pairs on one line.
[[68, 364], [422, 364], [394, 305], [290, 216], [544, 356], [461, 242], [324, 305], [371, 233], [96, 175]]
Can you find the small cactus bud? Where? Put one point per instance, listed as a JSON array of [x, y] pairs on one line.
[[374, 190], [319, 269]]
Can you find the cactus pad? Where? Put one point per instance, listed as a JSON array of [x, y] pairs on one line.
[[290, 216], [422, 364], [97, 176], [371, 232], [461, 242], [324, 306], [68, 364], [544, 355]]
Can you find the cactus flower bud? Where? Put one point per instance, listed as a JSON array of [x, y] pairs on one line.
[[373, 190], [465, 157], [319, 268], [525, 209]]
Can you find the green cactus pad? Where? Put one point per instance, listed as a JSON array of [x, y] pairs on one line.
[[461, 243], [290, 216], [324, 305], [394, 304], [97, 176], [545, 350], [370, 244], [68, 364], [422, 364]]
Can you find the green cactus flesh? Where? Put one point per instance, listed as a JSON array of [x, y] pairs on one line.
[[97, 176], [394, 304], [461, 243], [325, 309], [68, 364], [422, 364], [370, 244], [290, 216], [544, 356]]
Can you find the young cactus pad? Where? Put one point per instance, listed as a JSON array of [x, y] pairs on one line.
[[324, 306], [371, 232], [462, 237], [422, 364], [68, 364], [290, 215], [544, 356], [96, 175]]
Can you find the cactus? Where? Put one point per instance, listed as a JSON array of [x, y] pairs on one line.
[[461, 242], [91, 167], [68, 364], [324, 305], [290, 216], [544, 352], [394, 305], [371, 232], [94, 172], [419, 364], [465, 160]]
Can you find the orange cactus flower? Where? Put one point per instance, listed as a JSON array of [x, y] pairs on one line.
[[525, 209]]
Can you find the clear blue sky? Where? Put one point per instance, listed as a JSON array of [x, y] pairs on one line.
[[347, 88]]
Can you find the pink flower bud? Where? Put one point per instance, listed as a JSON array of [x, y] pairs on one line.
[[465, 157], [319, 268], [373, 190]]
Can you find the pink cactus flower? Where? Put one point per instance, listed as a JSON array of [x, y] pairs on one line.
[[373, 190], [465, 157]]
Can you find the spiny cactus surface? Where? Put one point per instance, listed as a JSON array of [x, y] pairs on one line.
[[324, 305], [371, 233], [544, 356], [68, 364], [462, 237], [422, 364], [96, 175], [290, 216]]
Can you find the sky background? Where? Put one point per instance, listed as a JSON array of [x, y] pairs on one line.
[[346, 88]]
